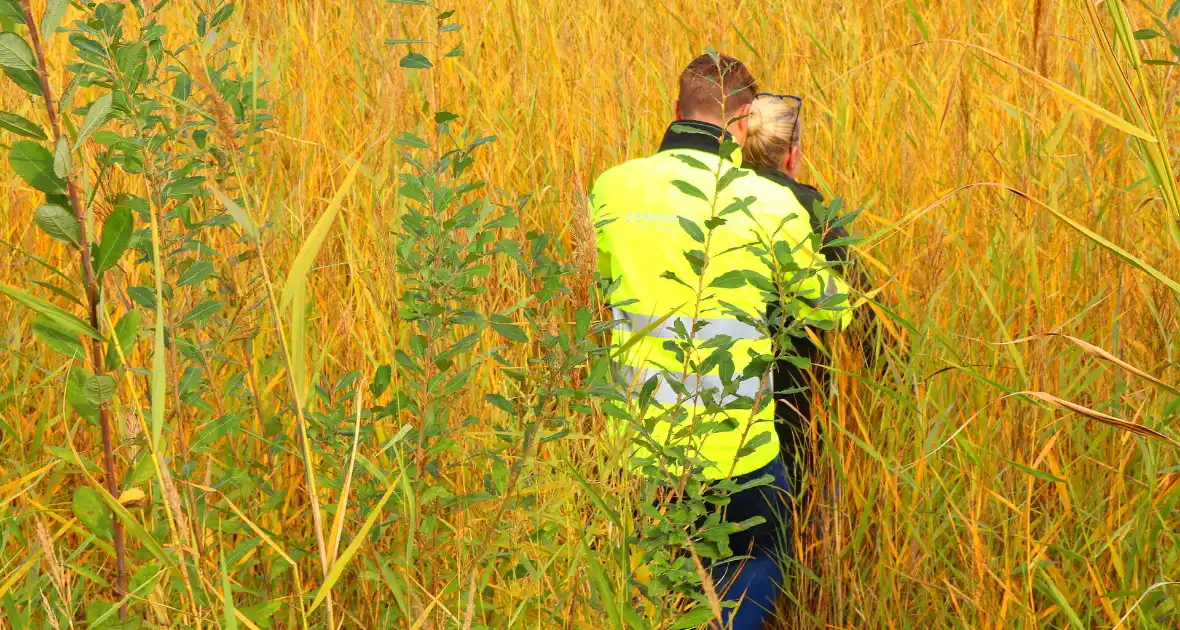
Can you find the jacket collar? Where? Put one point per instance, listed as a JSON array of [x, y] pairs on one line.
[[704, 137], [783, 179]]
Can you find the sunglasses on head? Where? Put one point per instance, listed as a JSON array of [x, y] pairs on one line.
[[798, 100]]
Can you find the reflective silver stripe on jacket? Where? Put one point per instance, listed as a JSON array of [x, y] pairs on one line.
[[666, 329], [695, 384]]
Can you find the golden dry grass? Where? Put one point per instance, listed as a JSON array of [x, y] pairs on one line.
[[1029, 517]]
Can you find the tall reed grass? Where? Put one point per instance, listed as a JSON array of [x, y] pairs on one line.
[[1020, 243]]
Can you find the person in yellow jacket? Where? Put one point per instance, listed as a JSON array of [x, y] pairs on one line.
[[676, 234]]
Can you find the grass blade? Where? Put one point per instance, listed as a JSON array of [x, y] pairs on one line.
[[338, 522], [59, 316], [342, 563], [301, 266], [227, 600], [1101, 354], [643, 332], [1118, 423]]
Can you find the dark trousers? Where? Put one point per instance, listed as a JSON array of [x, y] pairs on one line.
[[755, 581]]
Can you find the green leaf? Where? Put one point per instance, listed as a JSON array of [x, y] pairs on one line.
[[695, 618], [99, 389], [129, 59], [95, 117], [734, 279], [146, 576], [60, 340], [301, 266], [1146, 33], [10, 10], [58, 291], [58, 223], [76, 394], [1062, 601], [34, 163], [642, 332], [501, 402], [60, 317], [61, 158], [407, 139], [143, 296], [227, 594], [691, 161], [398, 42], [143, 472], [27, 80], [262, 613], [1028, 470], [21, 126], [415, 61], [730, 177], [361, 536], [126, 332], [91, 513], [510, 331], [239, 215], [67, 456], [195, 273], [690, 190], [137, 532], [65, 102], [416, 3], [692, 229], [222, 15], [202, 311], [15, 53], [86, 46], [696, 260], [54, 12], [116, 235]]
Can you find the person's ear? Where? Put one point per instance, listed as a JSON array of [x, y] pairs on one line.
[[743, 116], [676, 110], [792, 160], [739, 127]]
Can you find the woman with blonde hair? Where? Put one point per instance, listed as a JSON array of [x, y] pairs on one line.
[[773, 149]]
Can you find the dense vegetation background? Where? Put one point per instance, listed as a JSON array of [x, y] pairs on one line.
[[1010, 159]]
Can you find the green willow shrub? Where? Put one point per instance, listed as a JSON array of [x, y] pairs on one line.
[[451, 236], [141, 112]]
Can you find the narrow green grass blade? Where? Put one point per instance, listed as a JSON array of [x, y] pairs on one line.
[[641, 333], [231, 620], [159, 370], [1061, 600], [301, 266], [353, 547], [59, 316]]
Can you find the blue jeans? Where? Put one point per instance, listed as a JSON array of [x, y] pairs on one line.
[[755, 581]]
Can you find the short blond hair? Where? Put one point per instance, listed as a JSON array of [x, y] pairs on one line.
[[772, 130]]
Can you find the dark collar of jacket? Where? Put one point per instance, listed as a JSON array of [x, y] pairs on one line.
[[703, 137], [812, 200]]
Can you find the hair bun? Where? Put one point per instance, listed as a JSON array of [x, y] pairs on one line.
[[753, 123]]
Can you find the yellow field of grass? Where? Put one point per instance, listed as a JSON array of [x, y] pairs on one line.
[[959, 503]]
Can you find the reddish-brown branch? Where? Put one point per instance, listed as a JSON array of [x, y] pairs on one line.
[[92, 300]]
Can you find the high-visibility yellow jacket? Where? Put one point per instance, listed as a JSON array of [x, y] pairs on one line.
[[637, 209]]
